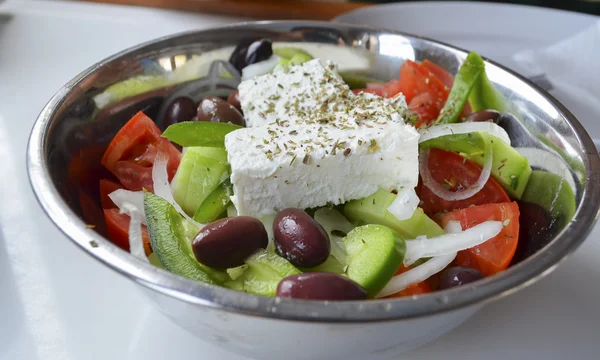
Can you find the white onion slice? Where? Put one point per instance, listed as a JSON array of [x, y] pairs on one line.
[[260, 68], [333, 220], [136, 244], [416, 275], [160, 179], [405, 204], [121, 197], [423, 247], [453, 227], [464, 128], [448, 195]]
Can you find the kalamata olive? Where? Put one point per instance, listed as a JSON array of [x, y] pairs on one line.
[[215, 109], [320, 286], [483, 115], [181, 109], [250, 52], [536, 229], [300, 239], [227, 242], [458, 275], [234, 100]]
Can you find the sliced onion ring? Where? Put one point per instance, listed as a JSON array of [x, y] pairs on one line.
[[160, 179], [405, 204], [448, 195], [136, 244], [260, 68], [423, 247], [464, 128], [122, 197], [416, 275]]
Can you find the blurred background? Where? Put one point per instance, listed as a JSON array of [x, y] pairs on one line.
[[320, 9]]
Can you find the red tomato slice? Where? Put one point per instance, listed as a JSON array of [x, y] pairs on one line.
[[130, 155], [495, 254], [449, 168], [415, 289], [423, 106], [415, 80], [106, 187], [446, 78], [117, 226], [388, 89]]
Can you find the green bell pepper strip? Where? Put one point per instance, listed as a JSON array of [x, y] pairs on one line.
[[171, 238], [215, 204], [199, 133], [484, 95], [468, 75]]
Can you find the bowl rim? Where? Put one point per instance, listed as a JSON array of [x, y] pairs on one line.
[[509, 281]]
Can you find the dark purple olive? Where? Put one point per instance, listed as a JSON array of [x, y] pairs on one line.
[[300, 239], [458, 275], [483, 115], [215, 109], [536, 229], [320, 286], [250, 52], [181, 109], [226, 243], [234, 100]]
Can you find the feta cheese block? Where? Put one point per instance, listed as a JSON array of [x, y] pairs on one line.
[[302, 93], [311, 165], [316, 143]]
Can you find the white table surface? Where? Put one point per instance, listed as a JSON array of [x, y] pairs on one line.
[[58, 303]]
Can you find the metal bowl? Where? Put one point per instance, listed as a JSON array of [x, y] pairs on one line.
[[70, 131]]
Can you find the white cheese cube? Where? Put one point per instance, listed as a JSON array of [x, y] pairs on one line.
[[311, 165]]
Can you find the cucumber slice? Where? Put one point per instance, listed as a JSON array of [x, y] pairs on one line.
[[373, 210], [199, 174], [264, 272], [153, 259], [331, 265], [375, 253], [215, 204], [290, 52], [509, 167], [171, 238]]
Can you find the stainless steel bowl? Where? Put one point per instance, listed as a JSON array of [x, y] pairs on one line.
[[274, 328]]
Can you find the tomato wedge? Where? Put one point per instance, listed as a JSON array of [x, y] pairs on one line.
[[130, 155], [445, 77], [106, 187], [414, 289], [117, 227], [388, 89], [495, 254], [424, 107], [457, 173]]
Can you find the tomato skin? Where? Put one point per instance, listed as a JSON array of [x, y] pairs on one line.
[[414, 289], [446, 78], [117, 226], [106, 187], [450, 168], [388, 89], [131, 153], [495, 254], [423, 106]]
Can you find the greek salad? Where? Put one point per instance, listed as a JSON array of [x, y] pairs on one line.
[[306, 182]]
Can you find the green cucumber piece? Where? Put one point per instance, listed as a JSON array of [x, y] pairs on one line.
[[171, 238], [264, 271], [374, 256], [200, 171], [552, 193], [509, 167], [199, 133], [300, 59], [464, 82], [373, 210], [215, 204], [357, 80], [330, 265]]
